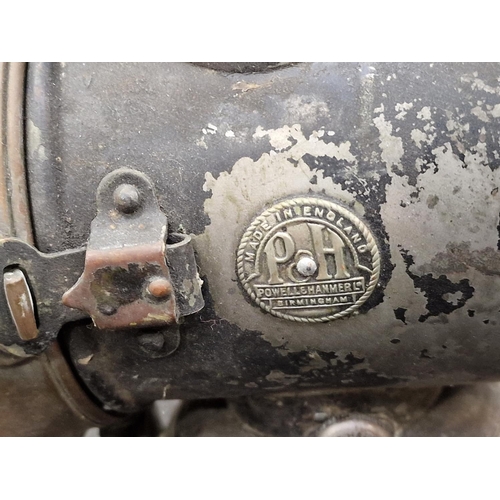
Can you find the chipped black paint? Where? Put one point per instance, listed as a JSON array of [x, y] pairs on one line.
[[498, 230], [435, 288], [371, 193], [399, 313], [213, 355], [116, 286]]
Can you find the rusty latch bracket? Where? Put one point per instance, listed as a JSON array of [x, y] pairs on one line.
[[126, 281], [133, 277]]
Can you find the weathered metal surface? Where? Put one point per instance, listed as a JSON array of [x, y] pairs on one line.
[[242, 67], [461, 411], [336, 413], [411, 149], [126, 281], [14, 204], [5, 221], [39, 396]]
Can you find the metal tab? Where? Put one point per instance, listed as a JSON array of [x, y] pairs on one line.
[[20, 303]]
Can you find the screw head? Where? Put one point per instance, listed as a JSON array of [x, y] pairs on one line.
[[160, 288], [306, 266], [127, 198]]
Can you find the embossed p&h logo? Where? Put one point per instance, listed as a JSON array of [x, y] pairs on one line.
[[309, 260]]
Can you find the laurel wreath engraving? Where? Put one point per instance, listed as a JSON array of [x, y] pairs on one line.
[[370, 243]]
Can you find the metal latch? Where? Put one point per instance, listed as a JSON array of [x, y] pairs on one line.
[[133, 276]]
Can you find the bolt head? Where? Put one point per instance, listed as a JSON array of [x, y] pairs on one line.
[[160, 288], [127, 198], [306, 266]]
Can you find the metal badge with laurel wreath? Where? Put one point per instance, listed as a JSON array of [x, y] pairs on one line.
[[308, 260]]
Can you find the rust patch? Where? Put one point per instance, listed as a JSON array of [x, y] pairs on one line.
[[459, 257], [113, 288]]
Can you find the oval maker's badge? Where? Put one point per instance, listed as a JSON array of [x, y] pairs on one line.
[[309, 260]]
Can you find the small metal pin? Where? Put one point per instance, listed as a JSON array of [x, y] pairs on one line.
[[306, 266], [160, 288]]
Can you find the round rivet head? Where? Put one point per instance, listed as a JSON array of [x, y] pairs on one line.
[[126, 198], [160, 288], [306, 266]]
